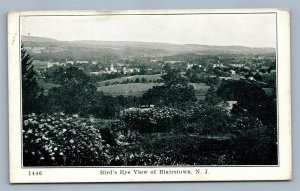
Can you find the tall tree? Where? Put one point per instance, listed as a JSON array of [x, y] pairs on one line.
[[175, 91], [31, 93], [74, 93]]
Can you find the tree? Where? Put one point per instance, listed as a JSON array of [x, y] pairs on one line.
[[137, 80], [144, 80], [254, 142], [74, 94], [31, 92], [250, 98], [175, 91], [212, 97]]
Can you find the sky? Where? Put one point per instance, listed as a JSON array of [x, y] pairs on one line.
[[253, 30]]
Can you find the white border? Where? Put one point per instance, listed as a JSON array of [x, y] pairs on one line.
[[52, 175]]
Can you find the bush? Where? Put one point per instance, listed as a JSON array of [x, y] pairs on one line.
[[254, 142], [156, 119], [60, 139], [209, 119], [189, 149], [141, 159], [108, 136]]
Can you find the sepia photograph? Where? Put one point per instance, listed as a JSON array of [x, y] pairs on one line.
[[150, 93]]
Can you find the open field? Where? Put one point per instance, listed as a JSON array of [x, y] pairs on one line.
[[138, 89], [133, 89], [46, 85], [131, 78], [200, 90]]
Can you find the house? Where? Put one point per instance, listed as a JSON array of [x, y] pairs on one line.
[[232, 77], [173, 61], [237, 65], [69, 62], [112, 69], [189, 65], [95, 73], [218, 65], [137, 69], [82, 62], [128, 70], [51, 64], [225, 78]]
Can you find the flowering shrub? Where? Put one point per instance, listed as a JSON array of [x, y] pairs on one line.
[[254, 142], [156, 119], [188, 149], [60, 139], [142, 159], [197, 118]]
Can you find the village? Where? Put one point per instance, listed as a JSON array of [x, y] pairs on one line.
[[259, 69]]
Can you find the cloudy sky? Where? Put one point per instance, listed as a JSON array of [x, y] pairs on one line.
[[254, 30]]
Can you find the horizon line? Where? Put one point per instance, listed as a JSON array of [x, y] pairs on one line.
[[146, 42]]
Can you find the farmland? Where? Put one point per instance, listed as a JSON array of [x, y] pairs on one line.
[[200, 90], [131, 78], [132, 89], [138, 89]]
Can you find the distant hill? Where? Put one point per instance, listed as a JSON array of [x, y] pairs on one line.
[[123, 49], [36, 39]]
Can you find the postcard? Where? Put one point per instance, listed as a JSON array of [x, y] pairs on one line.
[[149, 95]]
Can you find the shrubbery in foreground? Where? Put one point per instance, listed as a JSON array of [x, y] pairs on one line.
[[156, 119], [154, 136], [198, 118], [60, 139]]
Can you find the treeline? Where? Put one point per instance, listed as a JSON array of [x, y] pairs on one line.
[[77, 94], [137, 80]]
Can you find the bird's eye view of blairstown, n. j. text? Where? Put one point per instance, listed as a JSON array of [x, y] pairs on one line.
[[149, 90]]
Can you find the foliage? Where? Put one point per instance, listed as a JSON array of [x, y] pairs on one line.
[[254, 142], [61, 139], [251, 99], [189, 149], [212, 97], [74, 93], [196, 75], [108, 135], [142, 159], [32, 96], [242, 91], [209, 119], [175, 90], [60, 75], [199, 118], [157, 119]]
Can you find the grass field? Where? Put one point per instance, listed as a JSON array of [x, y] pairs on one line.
[[46, 85], [138, 89], [131, 78], [133, 89], [200, 90]]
